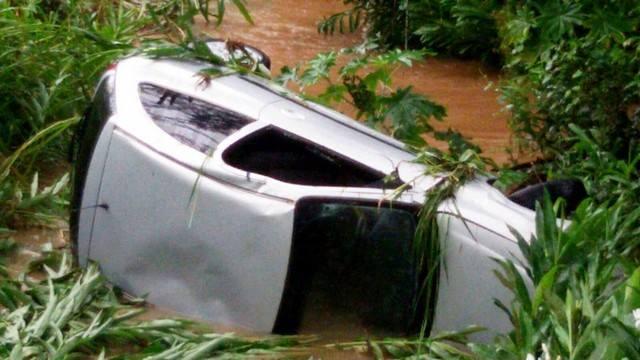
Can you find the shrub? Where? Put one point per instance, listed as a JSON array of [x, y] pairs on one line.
[[572, 63], [585, 295], [458, 28]]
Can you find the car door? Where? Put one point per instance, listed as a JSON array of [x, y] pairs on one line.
[[351, 250]]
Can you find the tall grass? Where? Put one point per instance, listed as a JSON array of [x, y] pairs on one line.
[[51, 55], [75, 314], [19, 207]]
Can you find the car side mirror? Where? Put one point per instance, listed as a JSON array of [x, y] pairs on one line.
[[228, 49]]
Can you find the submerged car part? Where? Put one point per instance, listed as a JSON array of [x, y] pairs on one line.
[[224, 202], [571, 190]]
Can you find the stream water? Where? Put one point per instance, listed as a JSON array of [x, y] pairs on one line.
[[286, 31]]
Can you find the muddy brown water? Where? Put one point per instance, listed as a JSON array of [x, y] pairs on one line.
[[286, 31]]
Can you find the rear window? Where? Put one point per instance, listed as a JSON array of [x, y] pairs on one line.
[[191, 121]]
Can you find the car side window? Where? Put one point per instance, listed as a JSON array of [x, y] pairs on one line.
[[191, 121], [278, 154]]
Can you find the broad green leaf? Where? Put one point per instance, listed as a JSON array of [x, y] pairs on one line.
[[632, 292]]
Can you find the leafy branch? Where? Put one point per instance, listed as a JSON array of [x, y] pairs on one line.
[[365, 83]]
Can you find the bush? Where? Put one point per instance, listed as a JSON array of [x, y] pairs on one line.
[[51, 56], [575, 63], [566, 62], [586, 294], [459, 28]]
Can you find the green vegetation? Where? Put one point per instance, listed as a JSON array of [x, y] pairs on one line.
[[365, 83], [35, 206], [572, 81], [586, 288], [574, 63], [74, 314], [459, 28], [571, 74]]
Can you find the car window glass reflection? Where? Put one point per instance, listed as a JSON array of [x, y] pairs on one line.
[[191, 121]]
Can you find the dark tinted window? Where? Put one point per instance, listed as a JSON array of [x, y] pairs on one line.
[[283, 156], [351, 265], [193, 122]]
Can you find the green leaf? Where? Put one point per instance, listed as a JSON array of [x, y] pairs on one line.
[[318, 68], [287, 74], [632, 292], [410, 114], [334, 93], [558, 19], [543, 288]]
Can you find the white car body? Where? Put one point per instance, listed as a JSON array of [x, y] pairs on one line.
[[212, 241]]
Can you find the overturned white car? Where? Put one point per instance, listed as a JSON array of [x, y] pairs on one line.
[[226, 202]]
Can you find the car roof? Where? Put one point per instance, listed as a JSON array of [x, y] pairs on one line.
[[269, 105]]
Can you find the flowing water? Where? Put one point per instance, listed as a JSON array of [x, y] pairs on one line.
[[286, 31]]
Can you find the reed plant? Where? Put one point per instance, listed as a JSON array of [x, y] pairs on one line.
[[74, 313], [586, 300]]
